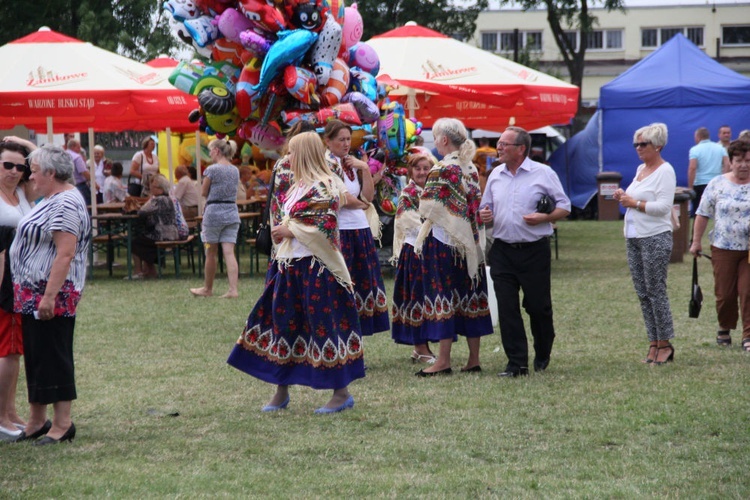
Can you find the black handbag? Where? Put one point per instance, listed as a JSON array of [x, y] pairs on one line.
[[696, 297], [263, 241], [545, 205]]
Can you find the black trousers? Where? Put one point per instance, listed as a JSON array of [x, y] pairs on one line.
[[697, 200], [524, 267], [48, 359]]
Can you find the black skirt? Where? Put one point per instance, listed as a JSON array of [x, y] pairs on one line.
[[48, 358]]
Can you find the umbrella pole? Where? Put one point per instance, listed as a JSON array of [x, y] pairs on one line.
[[92, 186], [198, 168], [50, 132], [169, 155]]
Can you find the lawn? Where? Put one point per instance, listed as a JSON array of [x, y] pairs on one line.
[[160, 414]]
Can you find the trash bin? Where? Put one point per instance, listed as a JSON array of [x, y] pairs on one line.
[[681, 235], [608, 183]]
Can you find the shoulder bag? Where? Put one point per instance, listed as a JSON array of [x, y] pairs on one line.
[[263, 241], [696, 297]]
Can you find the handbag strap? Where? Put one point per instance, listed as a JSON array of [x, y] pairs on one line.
[[695, 270], [141, 167]]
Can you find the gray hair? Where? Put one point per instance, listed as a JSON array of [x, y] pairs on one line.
[[522, 137], [51, 158], [99, 147], [226, 148], [656, 134], [161, 182], [458, 136]]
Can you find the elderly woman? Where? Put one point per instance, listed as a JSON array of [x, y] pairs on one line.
[[221, 219], [143, 166], [357, 240], [726, 200], [408, 289], [451, 244], [648, 233], [13, 206], [304, 329], [160, 221], [48, 262]]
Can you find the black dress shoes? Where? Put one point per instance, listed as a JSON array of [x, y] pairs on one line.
[[34, 435], [540, 366], [68, 436], [422, 373], [510, 373]]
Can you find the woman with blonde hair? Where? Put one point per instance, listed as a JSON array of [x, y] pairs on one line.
[[221, 218], [304, 329], [451, 243], [648, 236]]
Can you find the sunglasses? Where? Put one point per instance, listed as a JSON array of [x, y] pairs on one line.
[[640, 144], [8, 165]]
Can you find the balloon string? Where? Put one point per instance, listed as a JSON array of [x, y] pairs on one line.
[[269, 108]]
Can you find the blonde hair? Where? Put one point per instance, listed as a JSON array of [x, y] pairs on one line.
[[415, 159], [656, 134], [457, 135], [309, 164]]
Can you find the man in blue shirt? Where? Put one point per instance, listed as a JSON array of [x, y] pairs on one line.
[[520, 254], [707, 160]]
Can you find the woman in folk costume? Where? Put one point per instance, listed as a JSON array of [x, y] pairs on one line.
[[408, 292], [360, 227], [304, 329], [451, 242]]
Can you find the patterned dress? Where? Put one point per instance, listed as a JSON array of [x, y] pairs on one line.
[[407, 311], [305, 329], [361, 255], [450, 243]]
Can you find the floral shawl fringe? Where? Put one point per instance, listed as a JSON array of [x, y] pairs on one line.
[[407, 217], [313, 220], [450, 200]]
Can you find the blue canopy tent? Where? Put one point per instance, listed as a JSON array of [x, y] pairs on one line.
[[678, 85]]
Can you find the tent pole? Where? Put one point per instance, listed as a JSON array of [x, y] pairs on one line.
[[169, 155]]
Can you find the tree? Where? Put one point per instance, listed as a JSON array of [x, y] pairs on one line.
[[443, 16], [135, 29], [564, 16]]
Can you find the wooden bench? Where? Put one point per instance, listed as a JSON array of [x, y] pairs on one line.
[[162, 247]]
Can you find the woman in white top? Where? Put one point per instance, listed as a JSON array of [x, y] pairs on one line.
[[357, 241], [648, 232], [144, 165], [13, 206]]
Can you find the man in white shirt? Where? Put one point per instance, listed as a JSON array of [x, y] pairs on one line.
[[186, 192]]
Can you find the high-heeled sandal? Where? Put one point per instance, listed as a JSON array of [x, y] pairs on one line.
[[669, 359], [423, 358], [651, 356]]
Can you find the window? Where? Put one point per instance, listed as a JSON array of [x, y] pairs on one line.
[[735, 35], [654, 37], [597, 39], [489, 41], [527, 40]]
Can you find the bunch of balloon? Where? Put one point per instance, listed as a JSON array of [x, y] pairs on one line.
[[271, 63]]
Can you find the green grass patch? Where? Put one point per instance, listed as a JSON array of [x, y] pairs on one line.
[[160, 414]]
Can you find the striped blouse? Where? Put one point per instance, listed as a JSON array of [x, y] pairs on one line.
[[33, 252]]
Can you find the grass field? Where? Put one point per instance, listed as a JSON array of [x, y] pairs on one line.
[[160, 414]]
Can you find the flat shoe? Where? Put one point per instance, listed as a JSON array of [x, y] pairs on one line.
[[422, 373], [521, 372], [270, 408], [10, 435], [349, 403], [473, 369]]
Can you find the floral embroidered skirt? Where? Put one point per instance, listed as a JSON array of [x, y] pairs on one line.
[[358, 247], [303, 330], [408, 301], [453, 304]]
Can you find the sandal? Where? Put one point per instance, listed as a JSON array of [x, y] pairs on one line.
[[746, 344], [423, 358], [723, 338]]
